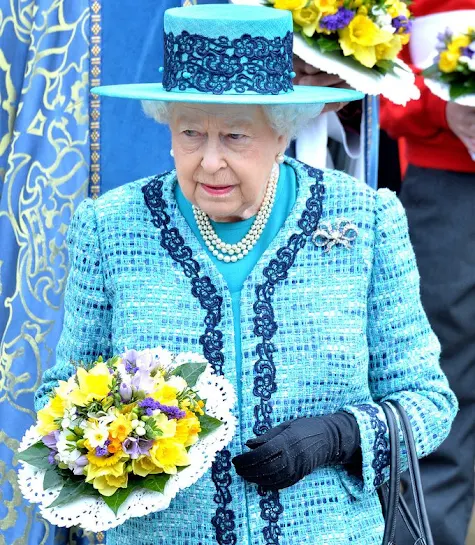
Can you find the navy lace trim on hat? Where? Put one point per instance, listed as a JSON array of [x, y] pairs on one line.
[[221, 65], [212, 342], [380, 446], [265, 327]]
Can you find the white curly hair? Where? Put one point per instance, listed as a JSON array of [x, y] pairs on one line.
[[285, 119]]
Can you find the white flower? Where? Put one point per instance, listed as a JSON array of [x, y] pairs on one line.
[[65, 447], [464, 60], [96, 433], [177, 382]]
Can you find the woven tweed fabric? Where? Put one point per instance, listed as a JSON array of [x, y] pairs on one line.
[[321, 332]]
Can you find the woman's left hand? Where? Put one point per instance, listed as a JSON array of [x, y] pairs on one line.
[[287, 453]]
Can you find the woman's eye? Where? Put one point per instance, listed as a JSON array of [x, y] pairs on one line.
[[191, 133], [236, 136]]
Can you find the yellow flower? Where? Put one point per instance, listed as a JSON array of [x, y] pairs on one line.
[[47, 415], [166, 395], [110, 464], [289, 4], [93, 385], [326, 7], [114, 446], [144, 466], [109, 484], [396, 8], [448, 61], [167, 427], [308, 19], [168, 454], [360, 39], [389, 51], [187, 429], [457, 43], [120, 428]]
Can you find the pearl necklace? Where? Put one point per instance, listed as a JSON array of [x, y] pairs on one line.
[[230, 253]]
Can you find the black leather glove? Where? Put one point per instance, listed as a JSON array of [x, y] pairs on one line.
[[287, 453]]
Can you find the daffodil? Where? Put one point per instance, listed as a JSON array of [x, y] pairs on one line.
[[165, 394], [92, 385], [397, 8], [389, 51], [448, 61], [289, 4], [327, 7], [458, 43], [360, 39], [48, 416], [144, 466], [187, 429], [308, 18], [167, 427], [168, 454], [121, 427], [108, 485]]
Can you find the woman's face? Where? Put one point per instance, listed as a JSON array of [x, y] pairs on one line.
[[224, 156]]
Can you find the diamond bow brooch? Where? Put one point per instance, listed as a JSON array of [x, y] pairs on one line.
[[344, 233]]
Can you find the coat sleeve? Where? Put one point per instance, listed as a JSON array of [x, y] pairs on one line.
[[403, 353], [86, 332]]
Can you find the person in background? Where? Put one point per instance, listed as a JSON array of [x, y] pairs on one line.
[[438, 193]]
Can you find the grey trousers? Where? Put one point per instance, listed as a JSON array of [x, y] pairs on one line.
[[440, 207]]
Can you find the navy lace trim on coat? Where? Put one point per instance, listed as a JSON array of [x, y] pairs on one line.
[[265, 327], [221, 65], [380, 445], [212, 342]]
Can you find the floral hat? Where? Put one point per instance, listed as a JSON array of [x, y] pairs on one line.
[[228, 54]]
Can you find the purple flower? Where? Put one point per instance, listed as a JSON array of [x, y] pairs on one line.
[[136, 447], [129, 359], [51, 439], [467, 52], [125, 392], [51, 456], [149, 405], [79, 464], [102, 451], [402, 24], [339, 20]]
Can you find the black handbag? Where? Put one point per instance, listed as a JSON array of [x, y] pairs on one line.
[[390, 494]]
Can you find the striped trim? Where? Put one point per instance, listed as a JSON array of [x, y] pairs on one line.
[[95, 58]]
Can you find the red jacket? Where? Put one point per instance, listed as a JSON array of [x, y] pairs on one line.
[[422, 123]]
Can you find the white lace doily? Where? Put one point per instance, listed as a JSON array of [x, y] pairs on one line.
[[399, 87], [92, 513], [442, 91]]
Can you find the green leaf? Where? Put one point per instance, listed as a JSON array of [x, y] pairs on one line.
[[36, 455], [431, 72], [208, 425], [118, 498], [52, 478], [73, 490], [155, 482], [190, 371], [327, 44]]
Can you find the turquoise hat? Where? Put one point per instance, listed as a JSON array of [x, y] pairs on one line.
[[228, 54]]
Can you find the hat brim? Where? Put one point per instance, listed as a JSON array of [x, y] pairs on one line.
[[302, 94]]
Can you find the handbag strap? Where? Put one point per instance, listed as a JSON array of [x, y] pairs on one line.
[[420, 529]]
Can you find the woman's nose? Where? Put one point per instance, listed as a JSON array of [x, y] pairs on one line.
[[213, 157]]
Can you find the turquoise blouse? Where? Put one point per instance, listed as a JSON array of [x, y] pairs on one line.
[[236, 273]]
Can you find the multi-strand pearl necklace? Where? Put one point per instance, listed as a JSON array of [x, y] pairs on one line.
[[230, 253]]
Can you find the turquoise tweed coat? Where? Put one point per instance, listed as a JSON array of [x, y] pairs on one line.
[[321, 332]]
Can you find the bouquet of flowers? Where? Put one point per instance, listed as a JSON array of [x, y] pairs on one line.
[[121, 437], [359, 40], [452, 76]]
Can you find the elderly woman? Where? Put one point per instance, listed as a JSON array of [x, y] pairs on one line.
[[299, 285]]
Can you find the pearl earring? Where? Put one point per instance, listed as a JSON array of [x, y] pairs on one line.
[[279, 158], [171, 153]]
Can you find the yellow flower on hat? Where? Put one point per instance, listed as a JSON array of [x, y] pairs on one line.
[[168, 454], [92, 385], [448, 61], [289, 4], [47, 416], [360, 39]]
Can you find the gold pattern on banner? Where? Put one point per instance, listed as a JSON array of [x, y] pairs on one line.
[[189, 3], [39, 197], [94, 101]]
